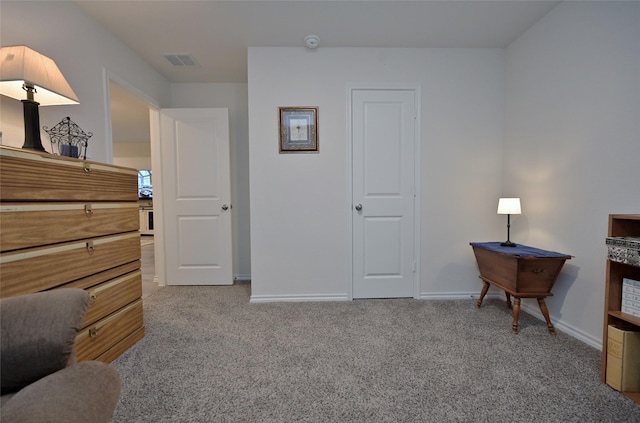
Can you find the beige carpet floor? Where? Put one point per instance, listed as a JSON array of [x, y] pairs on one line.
[[211, 356]]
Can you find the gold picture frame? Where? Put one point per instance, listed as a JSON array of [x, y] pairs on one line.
[[298, 129]]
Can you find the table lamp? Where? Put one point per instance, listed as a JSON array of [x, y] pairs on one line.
[[25, 72], [509, 206]]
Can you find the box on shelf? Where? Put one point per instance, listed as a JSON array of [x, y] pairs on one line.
[[630, 297], [632, 309], [623, 358], [630, 286], [624, 250]]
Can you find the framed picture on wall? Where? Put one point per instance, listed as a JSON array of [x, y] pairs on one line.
[[298, 129]]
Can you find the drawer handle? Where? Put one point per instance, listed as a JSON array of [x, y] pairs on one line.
[[92, 297], [88, 211], [538, 270], [87, 168], [90, 247], [93, 333]]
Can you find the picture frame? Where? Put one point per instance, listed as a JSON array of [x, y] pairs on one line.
[[298, 129]]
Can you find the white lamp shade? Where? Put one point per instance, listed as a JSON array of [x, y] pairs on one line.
[[20, 64], [509, 206]]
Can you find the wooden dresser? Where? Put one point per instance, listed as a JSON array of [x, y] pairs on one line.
[[73, 223]]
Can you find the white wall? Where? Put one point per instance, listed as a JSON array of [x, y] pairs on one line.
[[233, 97], [132, 154], [572, 143], [300, 202], [83, 50]]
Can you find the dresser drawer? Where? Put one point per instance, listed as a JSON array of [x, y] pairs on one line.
[[96, 339], [111, 296], [25, 225], [98, 278], [66, 179], [116, 350], [37, 269]]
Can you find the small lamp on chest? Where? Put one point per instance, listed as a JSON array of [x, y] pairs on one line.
[[509, 206]]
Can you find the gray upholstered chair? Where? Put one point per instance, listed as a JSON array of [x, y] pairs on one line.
[[40, 379]]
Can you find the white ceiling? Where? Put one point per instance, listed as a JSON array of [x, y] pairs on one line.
[[217, 33]]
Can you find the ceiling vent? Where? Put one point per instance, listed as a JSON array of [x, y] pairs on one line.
[[181, 60]]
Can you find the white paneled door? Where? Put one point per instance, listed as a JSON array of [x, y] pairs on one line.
[[383, 124], [196, 196]]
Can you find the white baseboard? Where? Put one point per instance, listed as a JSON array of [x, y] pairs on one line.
[[242, 278], [458, 296], [300, 298]]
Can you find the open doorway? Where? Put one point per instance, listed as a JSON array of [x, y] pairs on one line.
[[131, 147]]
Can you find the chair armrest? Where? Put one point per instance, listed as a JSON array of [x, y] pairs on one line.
[[85, 392], [37, 334]]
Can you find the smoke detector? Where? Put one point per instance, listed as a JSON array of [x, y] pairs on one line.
[[312, 41]]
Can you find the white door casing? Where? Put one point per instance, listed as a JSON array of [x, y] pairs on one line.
[[383, 125], [196, 196]]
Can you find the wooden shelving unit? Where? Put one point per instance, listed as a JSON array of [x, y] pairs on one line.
[[620, 225]]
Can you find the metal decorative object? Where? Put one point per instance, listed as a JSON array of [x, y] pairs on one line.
[[70, 138]]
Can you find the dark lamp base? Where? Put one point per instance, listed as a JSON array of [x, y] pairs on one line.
[[508, 244], [32, 139]]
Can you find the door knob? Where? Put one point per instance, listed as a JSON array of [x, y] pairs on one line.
[[225, 207], [358, 207]]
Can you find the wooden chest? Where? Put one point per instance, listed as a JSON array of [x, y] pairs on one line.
[[521, 271], [72, 223], [522, 276]]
